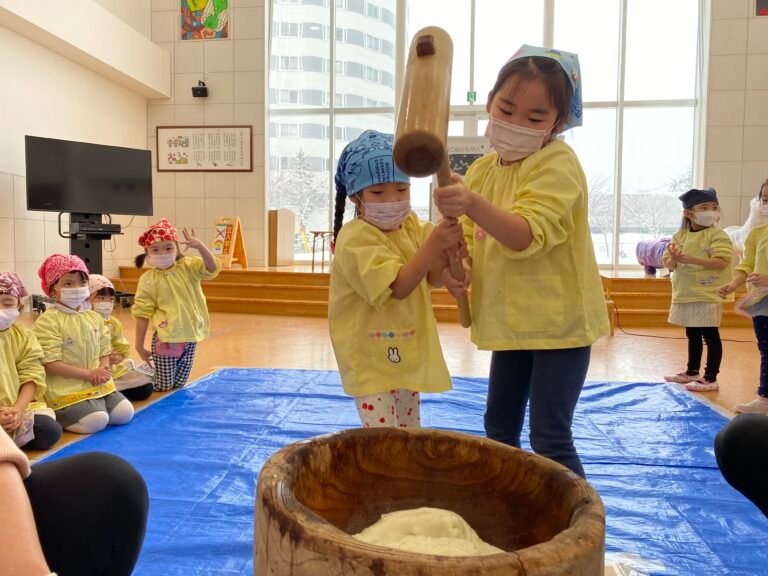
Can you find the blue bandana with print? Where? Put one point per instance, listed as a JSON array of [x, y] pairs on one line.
[[367, 161]]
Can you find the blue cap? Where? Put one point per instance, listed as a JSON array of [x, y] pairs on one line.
[[367, 161], [694, 196], [570, 65]]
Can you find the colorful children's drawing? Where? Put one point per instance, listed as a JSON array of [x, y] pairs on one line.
[[204, 19], [178, 158]]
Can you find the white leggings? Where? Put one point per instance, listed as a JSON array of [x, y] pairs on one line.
[[399, 408]]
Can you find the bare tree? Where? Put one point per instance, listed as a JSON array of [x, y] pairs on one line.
[[601, 208], [302, 190], [655, 214], [682, 182]]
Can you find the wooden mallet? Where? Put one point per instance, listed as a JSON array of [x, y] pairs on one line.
[[422, 121]]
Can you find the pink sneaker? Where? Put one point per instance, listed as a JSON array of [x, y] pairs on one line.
[[682, 378], [702, 385], [758, 406]]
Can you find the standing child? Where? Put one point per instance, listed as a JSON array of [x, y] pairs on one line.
[[169, 295], [699, 258], [753, 270], [134, 385], [23, 413], [537, 299], [76, 347], [379, 311]]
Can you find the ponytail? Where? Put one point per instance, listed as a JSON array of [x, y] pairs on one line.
[[341, 204]]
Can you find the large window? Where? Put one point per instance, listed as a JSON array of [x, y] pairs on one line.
[[316, 108], [637, 145]]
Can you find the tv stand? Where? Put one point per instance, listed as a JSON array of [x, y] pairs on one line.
[[86, 231]]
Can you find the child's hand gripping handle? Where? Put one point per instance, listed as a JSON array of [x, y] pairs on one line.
[[457, 268]]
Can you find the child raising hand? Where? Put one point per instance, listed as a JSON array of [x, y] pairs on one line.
[[170, 297], [380, 313]]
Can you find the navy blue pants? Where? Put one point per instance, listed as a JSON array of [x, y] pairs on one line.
[[760, 324], [552, 381]]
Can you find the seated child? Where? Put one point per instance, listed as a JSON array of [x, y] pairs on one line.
[[23, 413], [134, 385], [76, 346]]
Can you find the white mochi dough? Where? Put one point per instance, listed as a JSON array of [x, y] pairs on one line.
[[427, 531]]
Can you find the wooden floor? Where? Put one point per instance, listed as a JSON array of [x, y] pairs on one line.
[[645, 355]]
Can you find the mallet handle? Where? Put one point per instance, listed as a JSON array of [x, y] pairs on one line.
[[457, 268]]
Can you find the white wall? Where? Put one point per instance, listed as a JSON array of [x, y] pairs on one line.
[[136, 13], [234, 70], [737, 112], [47, 95]]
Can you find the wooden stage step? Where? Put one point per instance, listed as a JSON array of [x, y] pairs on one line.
[[276, 293], [645, 302], [639, 302]]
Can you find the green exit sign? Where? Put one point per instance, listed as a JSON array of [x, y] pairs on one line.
[[471, 96]]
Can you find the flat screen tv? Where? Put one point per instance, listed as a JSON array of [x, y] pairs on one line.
[[66, 176]]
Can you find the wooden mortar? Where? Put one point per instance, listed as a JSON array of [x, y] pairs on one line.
[[313, 495]]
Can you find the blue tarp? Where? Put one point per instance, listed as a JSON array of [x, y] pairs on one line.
[[647, 449]]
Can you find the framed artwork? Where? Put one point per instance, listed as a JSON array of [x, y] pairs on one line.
[[204, 149], [204, 19], [761, 7]]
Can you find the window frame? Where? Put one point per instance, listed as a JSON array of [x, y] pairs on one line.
[[473, 114]]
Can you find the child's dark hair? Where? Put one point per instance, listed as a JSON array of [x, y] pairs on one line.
[[760, 192], [549, 71], [106, 291], [83, 278], [141, 258], [338, 215]]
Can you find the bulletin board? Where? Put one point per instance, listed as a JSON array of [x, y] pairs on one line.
[[204, 149]]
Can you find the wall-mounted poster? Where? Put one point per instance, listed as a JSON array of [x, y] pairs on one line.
[[761, 7], [204, 149], [204, 19], [462, 151]]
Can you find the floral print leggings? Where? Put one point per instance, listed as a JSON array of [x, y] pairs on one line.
[[399, 408]]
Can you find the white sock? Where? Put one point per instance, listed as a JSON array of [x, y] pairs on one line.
[[122, 413], [90, 424]]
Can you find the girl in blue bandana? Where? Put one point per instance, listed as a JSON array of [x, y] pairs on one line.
[[537, 299], [380, 311]]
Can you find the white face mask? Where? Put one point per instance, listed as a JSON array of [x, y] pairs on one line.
[[706, 218], [7, 317], [512, 142], [74, 297], [764, 209], [162, 261], [387, 215], [104, 308]]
